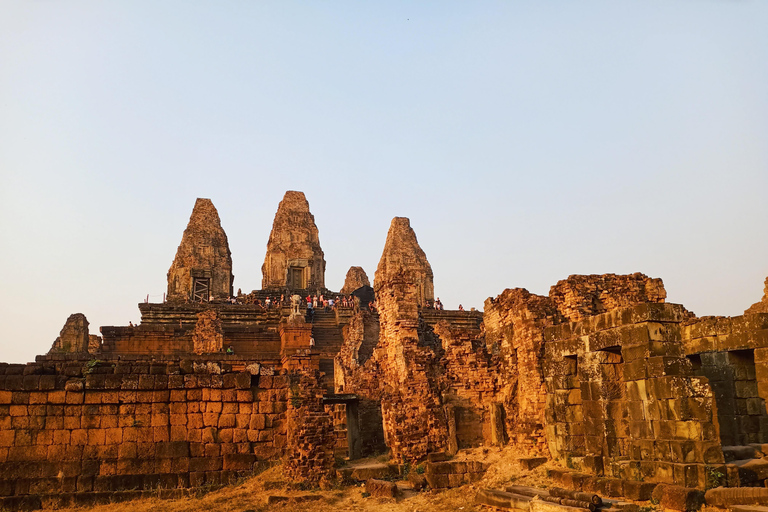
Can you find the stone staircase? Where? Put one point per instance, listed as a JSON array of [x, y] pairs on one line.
[[328, 339]]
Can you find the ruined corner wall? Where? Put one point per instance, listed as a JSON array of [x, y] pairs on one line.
[[623, 401], [203, 254], [83, 428], [356, 370], [471, 382], [74, 337], [733, 354], [762, 306], [579, 297], [514, 323]]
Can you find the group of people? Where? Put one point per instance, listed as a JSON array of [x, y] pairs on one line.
[[435, 304], [330, 303], [252, 298], [313, 301]]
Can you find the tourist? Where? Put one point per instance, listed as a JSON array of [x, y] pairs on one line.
[[267, 302], [314, 301], [230, 350], [461, 308], [311, 342]]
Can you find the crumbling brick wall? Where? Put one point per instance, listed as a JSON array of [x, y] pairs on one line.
[[471, 381], [81, 427], [579, 297], [514, 323], [309, 454]]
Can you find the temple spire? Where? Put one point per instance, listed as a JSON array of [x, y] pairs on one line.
[[202, 268]]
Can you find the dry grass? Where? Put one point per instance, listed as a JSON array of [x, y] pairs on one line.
[[252, 494]]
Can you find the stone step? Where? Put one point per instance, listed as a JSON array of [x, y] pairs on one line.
[[367, 471], [751, 470], [502, 500], [732, 453]]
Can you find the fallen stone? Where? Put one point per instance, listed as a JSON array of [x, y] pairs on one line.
[[502, 499], [417, 481], [364, 473], [678, 498], [538, 505], [529, 463], [381, 488], [752, 470], [726, 496], [638, 491], [734, 453]]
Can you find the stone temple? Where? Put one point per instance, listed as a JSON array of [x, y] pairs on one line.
[[618, 393]]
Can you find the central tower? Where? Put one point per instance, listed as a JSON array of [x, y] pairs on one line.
[[294, 258]]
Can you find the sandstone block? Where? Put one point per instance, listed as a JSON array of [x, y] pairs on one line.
[[678, 498], [381, 488]]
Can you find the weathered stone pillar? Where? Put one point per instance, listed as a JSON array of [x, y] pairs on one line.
[[295, 349], [412, 412], [309, 454], [73, 338]]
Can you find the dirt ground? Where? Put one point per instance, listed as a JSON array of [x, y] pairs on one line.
[[252, 494]]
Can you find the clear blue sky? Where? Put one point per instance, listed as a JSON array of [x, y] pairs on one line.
[[526, 141]]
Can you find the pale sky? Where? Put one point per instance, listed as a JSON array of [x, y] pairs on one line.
[[526, 141]]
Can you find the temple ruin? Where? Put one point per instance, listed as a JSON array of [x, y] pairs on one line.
[[617, 391]]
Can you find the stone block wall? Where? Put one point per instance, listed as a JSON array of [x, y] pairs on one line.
[[514, 323], [84, 427], [471, 381], [311, 439], [445, 475], [733, 354], [623, 402]]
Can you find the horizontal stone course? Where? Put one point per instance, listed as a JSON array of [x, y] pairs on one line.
[[88, 432]]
